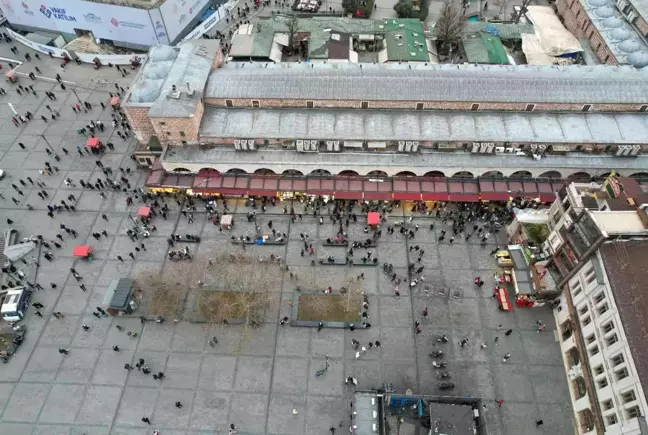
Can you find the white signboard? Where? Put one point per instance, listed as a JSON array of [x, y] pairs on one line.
[[105, 21], [158, 25], [56, 52], [177, 14], [204, 27]]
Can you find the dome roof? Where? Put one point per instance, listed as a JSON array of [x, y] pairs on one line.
[[147, 92], [157, 70], [604, 12], [597, 3], [620, 34], [161, 53], [629, 46], [638, 59], [612, 23]]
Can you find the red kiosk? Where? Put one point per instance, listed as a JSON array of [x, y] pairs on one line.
[[95, 145], [373, 219], [503, 298], [144, 213], [114, 103], [83, 251]]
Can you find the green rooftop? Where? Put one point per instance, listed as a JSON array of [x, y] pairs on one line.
[[484, 48], [404, 39], [505, 31]]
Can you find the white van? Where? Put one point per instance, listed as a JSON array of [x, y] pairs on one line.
[[15, 304]]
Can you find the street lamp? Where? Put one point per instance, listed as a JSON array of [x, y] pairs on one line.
[[56, 156], [77, 97]]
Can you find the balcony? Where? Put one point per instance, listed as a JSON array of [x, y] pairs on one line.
[[585, 421]]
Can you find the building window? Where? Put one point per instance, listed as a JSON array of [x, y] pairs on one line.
[[643, 108], [621, 374], [608, 327], [583, 310], [586, 107], [607, 405], [365, 104], [617, 359], [184, 142], [599, 298], [228, 103], [586, 320], [182, 134], [628, 396], [611, 419], [255, 104], [530, 108], [598, 370], [309, 104], [419, 106], [603, 309], [590, 277], [474, 107], [162, 123], [168, 133], [602, 383], [594, 350], [577, 290], [633, 412], [611, 340], [590, 338]]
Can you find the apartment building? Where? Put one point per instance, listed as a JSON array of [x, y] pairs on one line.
[[597, 251]]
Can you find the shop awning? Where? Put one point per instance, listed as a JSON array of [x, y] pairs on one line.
[[262, 186], [407, 190], [348, 188], [320, 186], [378, 190], [373, 218]]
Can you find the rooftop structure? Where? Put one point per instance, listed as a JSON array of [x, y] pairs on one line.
[[404, 40], [442, 83]]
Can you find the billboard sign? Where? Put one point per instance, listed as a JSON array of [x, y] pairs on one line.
[[106, 21], [177, 14], [158, 25]]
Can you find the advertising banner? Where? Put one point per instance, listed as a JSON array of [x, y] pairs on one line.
[[158, 25], [177, 14], [56, 52], [204, 27], [117, 23]]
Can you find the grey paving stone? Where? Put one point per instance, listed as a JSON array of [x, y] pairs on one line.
[[167, 415], [99, 405], [109, 369], [248, 412], [26, 402], [43, 365], [182, 370], [217, 372], [63, 404], [135, 404], [291, 376], [210, 411], [282, 420], [253, 374], [78, 367]]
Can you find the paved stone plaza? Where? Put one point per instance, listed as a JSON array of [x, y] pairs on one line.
[[258, 381]]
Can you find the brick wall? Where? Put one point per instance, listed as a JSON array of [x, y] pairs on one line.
[[642, 25], [178, 130], [138, 119], [577, 21], [411, 105]]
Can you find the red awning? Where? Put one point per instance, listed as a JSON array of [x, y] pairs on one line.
[[144, 211], [93, 142], [464, 197], [547, 197], [114, 101], [407, 196], [81, 251], [373, 218], [155, 179]]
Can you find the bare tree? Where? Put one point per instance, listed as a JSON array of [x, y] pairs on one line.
[[450, 25], [293, 26], [165, 291]]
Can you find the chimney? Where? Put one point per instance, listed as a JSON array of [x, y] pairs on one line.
[[173, 88]]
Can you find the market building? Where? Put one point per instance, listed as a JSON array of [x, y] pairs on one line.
[[596, 251], [136, 24]]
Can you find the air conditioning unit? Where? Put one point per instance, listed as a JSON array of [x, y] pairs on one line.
[[511, 150], [619, 150], [313, 145], [251, 144], [300, 145], [542, 148], [483, 148], [415, 146], [408, 146], [621, 4], [237, 144], [632, 15], [499, 149], [329, 145], [244, 144], [336, 145], [475, 147], [490, 148], [636, 150], [401, 146]]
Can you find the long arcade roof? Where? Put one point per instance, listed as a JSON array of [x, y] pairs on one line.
[[419, 82], [436, 126]]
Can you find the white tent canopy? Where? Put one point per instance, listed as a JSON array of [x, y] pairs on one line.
[[552, 35]]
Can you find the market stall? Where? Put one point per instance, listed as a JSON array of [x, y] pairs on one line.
[[503, 298], [83, 251], [227, 220], [373, 219], [95, 145], [114, 103], [118, 299], [144, 213]]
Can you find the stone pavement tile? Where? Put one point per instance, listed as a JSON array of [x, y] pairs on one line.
[[395, 312], [438, 312], [328, 384], [260, 342], [541, 347], [473, 379], [13, 371], [453, 257], [293, 341], [135, 404], [51, 430], [397, 343], [59, 332], [73, 300], [16, 428], [182, 370], [156, 248], [229, 339], [492, 316], [327, 342], [548, 383], [167, 415], [102, 430], [190, 337], [506, 344], [248, 412], [465, 313], [5, 392], [558, 418], [43, 365], [78, 367], [479, 258], [210, 411], [110, 367], [520, 418], [493, 418], [14, 159], [63, 404], [217, 372], [322, 413], [366, 372], [253, 374], [156, 336], [119, 338], [281, 420], [88, 200], [156, 361], [386, 286], [26, 402], [95, 337], [291, 376], [402, 374], [394, 253], [430, 259], [512, 383]]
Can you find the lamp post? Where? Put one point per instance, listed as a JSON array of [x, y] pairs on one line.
[[56, 156]]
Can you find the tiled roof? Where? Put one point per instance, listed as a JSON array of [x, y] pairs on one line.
[[418, 82]]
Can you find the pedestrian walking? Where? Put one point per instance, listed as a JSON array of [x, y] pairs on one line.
[[131, 255], [146, 420], [539, 423], [115, 348], [119, 257], [63, 351], [508, 332]]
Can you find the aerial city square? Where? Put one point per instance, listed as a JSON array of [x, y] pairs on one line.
[[378, 217]]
